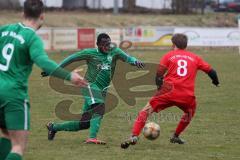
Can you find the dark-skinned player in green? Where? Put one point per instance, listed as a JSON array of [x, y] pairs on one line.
[[101, 62], [20, 48]]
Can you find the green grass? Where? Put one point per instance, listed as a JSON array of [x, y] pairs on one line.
[[212, 135]]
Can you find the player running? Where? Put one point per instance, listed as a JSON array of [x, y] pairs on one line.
[[175, 80], [101, 64], [20, 48]]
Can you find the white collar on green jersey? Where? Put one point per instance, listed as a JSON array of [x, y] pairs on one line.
[[22, 25]]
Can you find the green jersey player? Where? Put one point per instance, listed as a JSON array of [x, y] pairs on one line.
[[101, 64], [20, 48]]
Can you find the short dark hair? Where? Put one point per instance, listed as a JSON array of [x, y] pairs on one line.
[[180, 40], [102, 36], [33, 8]]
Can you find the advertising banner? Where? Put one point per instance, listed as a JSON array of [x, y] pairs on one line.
[[65, 39], [216, 37], [149, 36], [86, 38]]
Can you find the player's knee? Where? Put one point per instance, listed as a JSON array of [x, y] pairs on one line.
[[148, 108], [84, 124], [5, 133], [85, 120], [191, 113], [188, 115], [99, 109], [17, 148]]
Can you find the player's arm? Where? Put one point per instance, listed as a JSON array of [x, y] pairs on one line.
[[213, 75], [160, 75], [129, 59], [51, 68], [72, 58], [205, 67], [40, 58], [78, 56], [161, 70]]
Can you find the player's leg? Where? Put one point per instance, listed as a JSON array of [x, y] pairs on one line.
[[98, 111], [156, 104], [189, 111], [17, 120], [141, 119], [19, 144], [94, 97], [71, 126], [138, 126], [5, 144]]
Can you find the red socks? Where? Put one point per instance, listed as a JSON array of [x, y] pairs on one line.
[[184, 122], [139, 123]]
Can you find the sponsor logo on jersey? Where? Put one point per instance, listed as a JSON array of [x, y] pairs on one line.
[[105, 66], [109, 58]]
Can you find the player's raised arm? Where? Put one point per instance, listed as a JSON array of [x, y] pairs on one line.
[[82, 55], [129, 59]]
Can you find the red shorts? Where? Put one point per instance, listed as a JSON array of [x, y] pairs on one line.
[[170, 97]]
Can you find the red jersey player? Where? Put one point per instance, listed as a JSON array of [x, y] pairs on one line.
[[175, 80]]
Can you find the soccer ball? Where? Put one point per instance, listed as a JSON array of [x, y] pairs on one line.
[[151, 131]]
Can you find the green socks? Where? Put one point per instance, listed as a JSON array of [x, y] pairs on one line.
[[67, 126], [6, 146], [75, 125], [13, 156], [95, 125]]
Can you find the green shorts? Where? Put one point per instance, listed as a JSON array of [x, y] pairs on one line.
[[14, 114], [93, 94]]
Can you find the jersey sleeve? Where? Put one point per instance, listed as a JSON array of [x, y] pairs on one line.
[[164, 61], [82, 55], [203, 65], [40, 58], [125, 57], [36, 48]]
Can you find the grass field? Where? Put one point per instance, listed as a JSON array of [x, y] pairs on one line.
[[86, 19], [212, 135]]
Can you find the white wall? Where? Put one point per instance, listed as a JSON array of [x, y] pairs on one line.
[[103, 4], [107, 4], [53, 3], [48, 3], [154, 4]]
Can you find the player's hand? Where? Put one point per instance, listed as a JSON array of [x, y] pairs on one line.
[[159, 81], [78, 80], [139, 64], [44, 74], [216, 83]]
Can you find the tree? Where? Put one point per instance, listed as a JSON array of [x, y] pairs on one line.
[[187, 6]]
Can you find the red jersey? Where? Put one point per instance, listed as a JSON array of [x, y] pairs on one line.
[[182, 67]]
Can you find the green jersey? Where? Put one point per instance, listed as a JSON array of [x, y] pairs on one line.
[[100, 66], [20, 48]]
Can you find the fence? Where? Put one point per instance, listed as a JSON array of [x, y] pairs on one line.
[[142, 36]]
